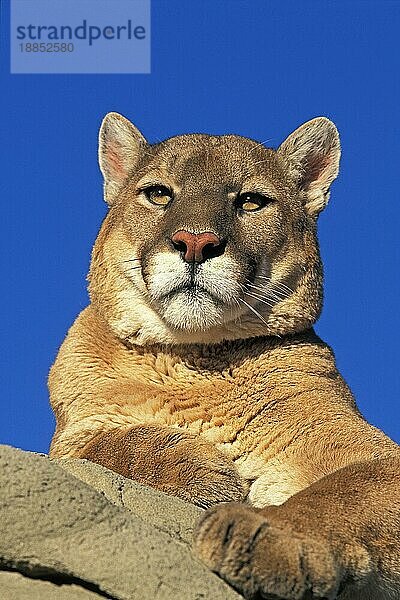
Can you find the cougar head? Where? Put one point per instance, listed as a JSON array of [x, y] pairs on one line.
[[208, 237]]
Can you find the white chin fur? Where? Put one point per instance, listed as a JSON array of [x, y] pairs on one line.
[[200, 308], [192, 311]]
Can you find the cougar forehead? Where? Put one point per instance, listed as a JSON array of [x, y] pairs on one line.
[[207, 238], [214, 160]]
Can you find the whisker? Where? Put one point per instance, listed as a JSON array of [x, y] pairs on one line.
[[282, 290], [272, 295], [276, 283], [268, 286], [275, 295], [282, 285], [254, 311], [131, 260], [263, 300], [279, 294]]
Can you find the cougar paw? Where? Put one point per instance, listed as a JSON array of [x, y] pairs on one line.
[[259, 556], [208, 478], [182, 464]]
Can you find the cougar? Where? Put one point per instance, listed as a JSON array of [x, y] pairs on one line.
[[195, 368]]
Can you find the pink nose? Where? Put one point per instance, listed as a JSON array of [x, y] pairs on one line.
[[197, 247]]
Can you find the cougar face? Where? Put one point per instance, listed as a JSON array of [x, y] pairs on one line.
[[210, 237]]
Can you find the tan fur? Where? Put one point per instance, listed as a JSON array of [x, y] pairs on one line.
[[223, 391]]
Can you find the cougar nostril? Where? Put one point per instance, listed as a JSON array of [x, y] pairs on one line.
[[197, 247], [179, 245], [213, 249]]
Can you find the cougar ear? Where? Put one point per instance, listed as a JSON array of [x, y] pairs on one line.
[[312, 153], [120, 147]]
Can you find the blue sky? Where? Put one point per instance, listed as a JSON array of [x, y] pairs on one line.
[[259, 69]]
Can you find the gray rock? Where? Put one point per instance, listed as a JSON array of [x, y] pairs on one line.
[[169, 514], [125, 541]]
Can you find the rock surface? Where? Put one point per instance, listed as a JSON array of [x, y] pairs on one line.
[[72, 530]]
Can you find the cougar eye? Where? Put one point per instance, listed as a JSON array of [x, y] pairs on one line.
[[252, 201], [158, 194]]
